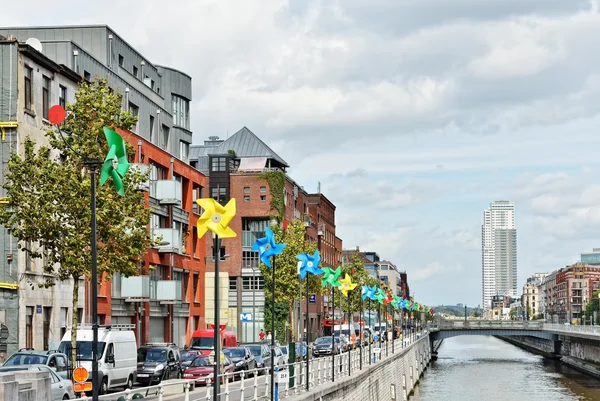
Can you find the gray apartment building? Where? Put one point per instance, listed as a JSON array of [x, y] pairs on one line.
[[160, 96]]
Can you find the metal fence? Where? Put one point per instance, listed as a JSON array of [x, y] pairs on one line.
[[255, 384]]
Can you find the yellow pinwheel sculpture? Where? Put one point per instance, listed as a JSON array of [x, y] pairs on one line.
[[216, 218], [347, 285]]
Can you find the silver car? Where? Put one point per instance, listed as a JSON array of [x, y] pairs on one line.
[[62, 389]]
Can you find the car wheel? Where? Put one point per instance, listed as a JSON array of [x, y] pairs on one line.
[[66, 397], [104, 386], [129, 384]]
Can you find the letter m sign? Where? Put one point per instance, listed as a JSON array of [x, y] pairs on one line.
[[245, 317]]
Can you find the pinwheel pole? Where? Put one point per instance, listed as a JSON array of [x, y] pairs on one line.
[[393, 327], [217, 334], [333, 334], [307, 336], [361, 323], [370, 338], [349, 319], [273, 330]]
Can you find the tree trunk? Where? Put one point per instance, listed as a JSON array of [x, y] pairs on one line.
[[74, 322], [292, 325]]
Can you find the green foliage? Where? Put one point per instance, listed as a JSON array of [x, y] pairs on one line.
[[276, 181], [281, 315], [593, 305], [49, 196], [286, 266]]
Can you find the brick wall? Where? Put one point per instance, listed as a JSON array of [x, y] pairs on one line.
[[400, 372]]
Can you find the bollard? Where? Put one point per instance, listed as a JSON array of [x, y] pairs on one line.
[[276, 395], [128, 394], [208, 390], [186, 391], [256, 385], [160, 392], [226, 380]]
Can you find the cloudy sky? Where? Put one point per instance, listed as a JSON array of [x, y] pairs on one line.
[[413, 115]]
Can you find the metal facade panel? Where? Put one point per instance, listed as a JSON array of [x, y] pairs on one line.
[[9, 77]]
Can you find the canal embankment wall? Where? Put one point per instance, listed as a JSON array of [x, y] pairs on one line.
[[393, 378], [578, 353]]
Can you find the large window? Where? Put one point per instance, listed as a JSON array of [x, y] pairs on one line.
[[181, 112], [218, 164], [28, 72], [156, 274], [45, 96], [219, 194], [184, 150]]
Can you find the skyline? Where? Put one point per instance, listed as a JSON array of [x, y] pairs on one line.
[[413, 117]]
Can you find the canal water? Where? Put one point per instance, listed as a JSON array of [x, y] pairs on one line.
[[476, 368]]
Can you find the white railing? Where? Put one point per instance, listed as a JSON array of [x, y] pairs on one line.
[[564, 328], [255, 384]]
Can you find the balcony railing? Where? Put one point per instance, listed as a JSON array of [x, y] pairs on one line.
[[250, 237], [143, 169], [168, 290], [168, 192], [135, 287], [171, 238]]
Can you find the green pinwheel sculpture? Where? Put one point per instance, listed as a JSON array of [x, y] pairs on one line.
[[380, 295], [331, 277], [116, 164]]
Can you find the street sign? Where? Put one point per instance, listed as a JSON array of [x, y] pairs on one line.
[[80, 374], [376, 338], [245, 317], [313, 298], [38, 309], [282, 376], [376, 350]]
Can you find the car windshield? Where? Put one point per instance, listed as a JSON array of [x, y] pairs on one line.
[[323, 340], [152, 355], [188, 355], [26, 359], [255, 349], [201, 361], [234, 352], [283, 350], [202, 343], [84, 349]]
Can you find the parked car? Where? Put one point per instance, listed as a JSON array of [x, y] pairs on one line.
[[326, 346], [158, 362], [58, 361], [62, 389], [284, 354], [202, 370], [242, 358], [262, 354], [188, 356]]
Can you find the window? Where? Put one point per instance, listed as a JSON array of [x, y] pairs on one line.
[[184, 150], [135, 111], [221, 253], [155, 275], [152, 137], [29, 327], [246, 190], [263, 190], [195, 285], [135, 71], [45, 96], [62, 96], [121, 60], [263, 198], [186, 280], [246, 198], [47, 313], [232, 283], [87, 76], [255, 283], [219, 164], [250, 259], [181, 111], [116, 285], [28, 256], [178, 276], [219, 194], [164, 139], [28, 72]]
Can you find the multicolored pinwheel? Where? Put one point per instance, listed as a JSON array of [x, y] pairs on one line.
[[379, 295], [331, 277], [115, 164], [267, 247], [216, 218], [347, 285], [388, 298], [396, 301], [368, 292], [310, 264]]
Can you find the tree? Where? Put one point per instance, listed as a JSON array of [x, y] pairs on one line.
[[286, 271], [592, 306], [360, 276], [49, 198]]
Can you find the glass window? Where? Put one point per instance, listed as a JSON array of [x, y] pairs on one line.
[[116, 285], [219, 164], [264, 190], [28, 72], [184, 150], [181, 111], [246, 190], [45, 96], [62, 96], [219, 194]]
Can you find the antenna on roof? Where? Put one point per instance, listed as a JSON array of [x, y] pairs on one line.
[[319, 187]]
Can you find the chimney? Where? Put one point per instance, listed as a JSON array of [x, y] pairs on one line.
[[357, 249]]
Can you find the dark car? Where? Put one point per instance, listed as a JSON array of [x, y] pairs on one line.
[[262, 354], [325, 346], [158, 362], [188, 356], [241, 357]]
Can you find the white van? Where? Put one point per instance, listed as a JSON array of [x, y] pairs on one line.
[[117, 353]]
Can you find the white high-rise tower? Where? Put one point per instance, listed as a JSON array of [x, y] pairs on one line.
[[498, 252]]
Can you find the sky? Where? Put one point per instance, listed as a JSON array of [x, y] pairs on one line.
[[412, 115]]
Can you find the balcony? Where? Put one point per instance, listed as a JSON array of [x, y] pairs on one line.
[[308, 220], [250, 237], [135, 288], [171, 238], [141, 169], [168, 192], [168, 291], [297, 214]]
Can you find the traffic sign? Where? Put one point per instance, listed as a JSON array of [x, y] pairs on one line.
[[313, 298], [245, 317], [282, 376], [376, 338], [80, 374], [82, 387], [376, 350]]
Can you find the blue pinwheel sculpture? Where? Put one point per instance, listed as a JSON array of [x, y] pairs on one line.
[[267, 247], [368, 292], [310, 264]]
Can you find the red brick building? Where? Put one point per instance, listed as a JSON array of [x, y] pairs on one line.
[[166, 300], [234, 167]]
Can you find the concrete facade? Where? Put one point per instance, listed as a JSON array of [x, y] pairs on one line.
[[36, 317], [160, 96]]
